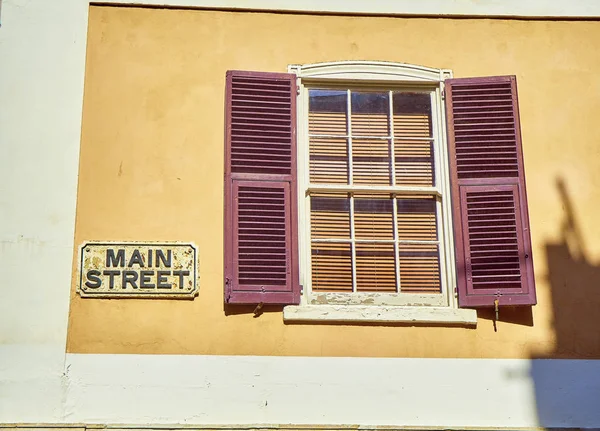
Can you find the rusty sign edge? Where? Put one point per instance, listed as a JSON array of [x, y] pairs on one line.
[[134, 295]]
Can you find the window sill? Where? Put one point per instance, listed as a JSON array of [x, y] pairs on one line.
[[378, 314]]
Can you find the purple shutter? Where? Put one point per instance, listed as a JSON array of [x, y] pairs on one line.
[[491, 221], [261, 237]]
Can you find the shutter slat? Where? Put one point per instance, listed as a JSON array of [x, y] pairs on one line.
[[482, 89], [466, 109], [461, 114], [248, 102], [261, 261], [281, 118], [253, 110], [493, 246], [497, 144]]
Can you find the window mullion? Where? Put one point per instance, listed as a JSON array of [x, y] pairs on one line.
[[396, 244], [443, 204], [353, 243], [350, 181], [374, 137], [306, 204], [349, 129], [392, 143], [394, 198], [435, 136], [374, 241]]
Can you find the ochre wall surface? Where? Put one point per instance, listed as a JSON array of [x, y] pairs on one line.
[[151, 168]]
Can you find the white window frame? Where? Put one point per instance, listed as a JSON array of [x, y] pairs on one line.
[[363, 306]]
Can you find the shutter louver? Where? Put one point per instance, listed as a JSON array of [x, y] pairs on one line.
[[261, 257], [491, 222]]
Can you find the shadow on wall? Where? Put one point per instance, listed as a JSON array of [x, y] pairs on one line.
[[568, 391], [521, 315]]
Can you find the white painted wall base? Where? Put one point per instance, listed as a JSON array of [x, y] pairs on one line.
[[42, 63], [32, 384], [188, 390]]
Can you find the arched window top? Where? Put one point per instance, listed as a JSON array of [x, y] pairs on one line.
[[370, 70]]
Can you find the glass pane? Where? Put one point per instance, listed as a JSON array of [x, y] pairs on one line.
[[330, 217], [412, 115], [414, 163], [331, 267], [327, 112], [373, 217], [419, 268], [375, 268], [417, 219], [371, 162], [370, 114], [328, 160], [413, 158]]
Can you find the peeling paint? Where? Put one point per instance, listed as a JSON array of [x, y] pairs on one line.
[[376, 298]]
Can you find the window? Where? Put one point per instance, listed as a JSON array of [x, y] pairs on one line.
[[374, 194], [339, 175]]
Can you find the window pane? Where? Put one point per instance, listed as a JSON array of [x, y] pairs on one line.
[[373, 218], [417, 219], [414, 163], [328, 160], [331, 267], [419, 268], [375, 268], [371, 162], [370, 114], [330, 217], [327, 112], [413, 158], [412, 115]]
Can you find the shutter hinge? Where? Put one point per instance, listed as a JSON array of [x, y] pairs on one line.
[[443, 94]]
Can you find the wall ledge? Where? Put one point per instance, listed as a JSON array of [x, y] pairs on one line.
[[378, 314]]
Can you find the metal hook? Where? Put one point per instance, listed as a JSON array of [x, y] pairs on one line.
[[258, 309], [496, 312]]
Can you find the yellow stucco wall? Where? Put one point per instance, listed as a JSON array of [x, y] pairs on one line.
[[151, 168]]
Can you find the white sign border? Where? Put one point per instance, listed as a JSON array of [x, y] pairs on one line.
[[189, 295]]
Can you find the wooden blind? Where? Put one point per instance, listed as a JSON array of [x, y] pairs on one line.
[[328, 160], [419, 263], [261, 257], [413, 139], [331, 261], [493, 245]]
